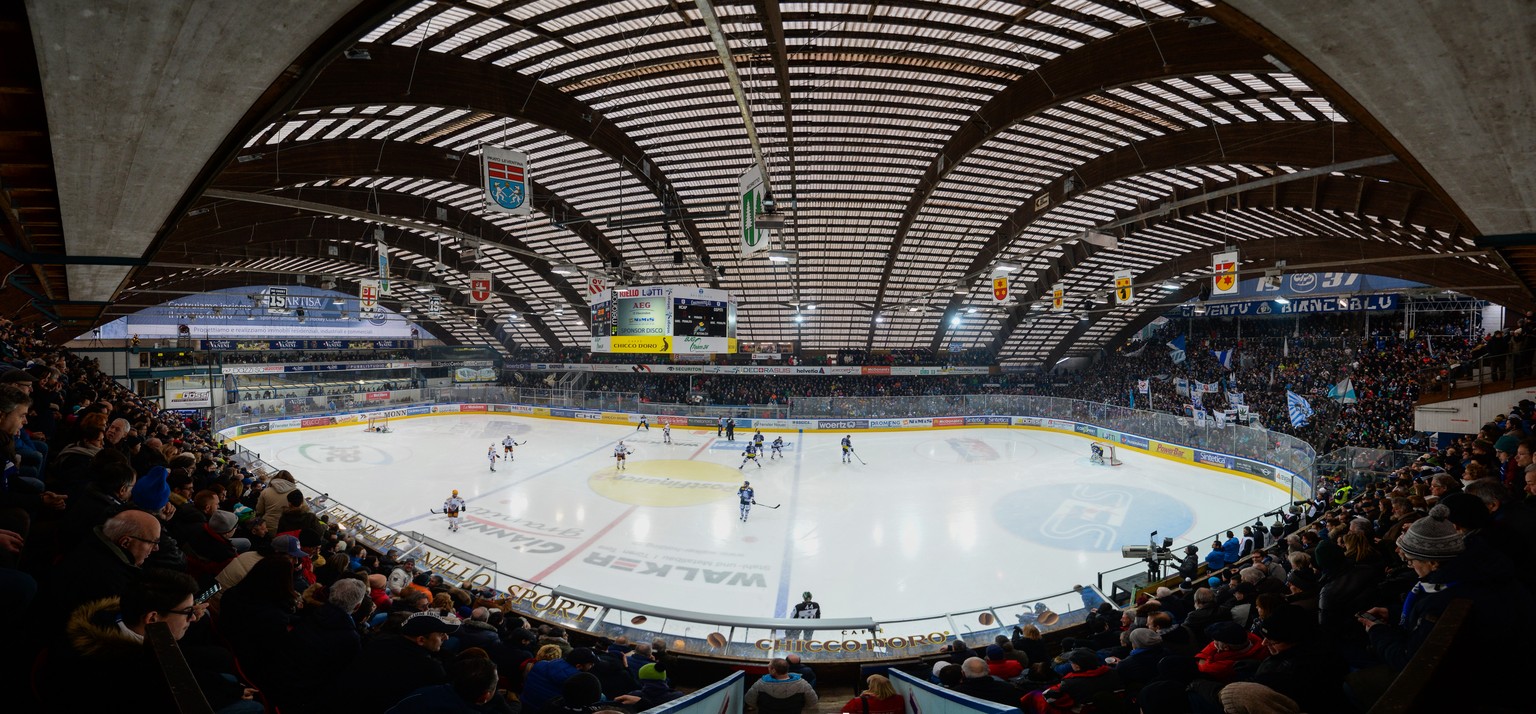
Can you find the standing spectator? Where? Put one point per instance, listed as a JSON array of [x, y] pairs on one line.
[[801, 668]]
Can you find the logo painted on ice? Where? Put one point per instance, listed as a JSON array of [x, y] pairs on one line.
[[1091, 516]]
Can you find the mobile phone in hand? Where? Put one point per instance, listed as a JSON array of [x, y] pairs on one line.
[[1371, 618]]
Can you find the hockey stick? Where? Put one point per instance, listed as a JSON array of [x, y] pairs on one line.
[[856, 456], [764, 505]]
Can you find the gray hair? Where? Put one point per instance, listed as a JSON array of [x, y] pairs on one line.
[[347, 594], [1204, 596], [975, 668], [642, 648], [480, 614], [1489, 491]]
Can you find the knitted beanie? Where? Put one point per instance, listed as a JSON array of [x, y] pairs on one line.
[[1432, 538], [151, 492], [649, 672]]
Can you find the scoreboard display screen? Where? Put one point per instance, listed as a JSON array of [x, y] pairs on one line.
[[699, 318], [665, 319]]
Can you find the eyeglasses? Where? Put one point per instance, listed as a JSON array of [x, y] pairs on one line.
[[189, 613], [154, 543]]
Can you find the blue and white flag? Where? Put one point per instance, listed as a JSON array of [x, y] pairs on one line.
[[1343, 392], [1181, 386], [1235, 399], [1300, 410], [1144, 386], [1224, 357]]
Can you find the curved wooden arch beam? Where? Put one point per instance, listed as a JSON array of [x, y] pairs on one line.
[[1141, 54], [205, 231], [404, 76], [365, 158], [1305, 144]]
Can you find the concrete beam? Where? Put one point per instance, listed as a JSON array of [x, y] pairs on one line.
[[140, 95]]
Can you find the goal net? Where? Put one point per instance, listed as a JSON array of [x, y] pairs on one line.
[[378, 424], [1102, 452]]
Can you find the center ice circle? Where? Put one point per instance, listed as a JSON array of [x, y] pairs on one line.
[[1091, 516], [667, 483]]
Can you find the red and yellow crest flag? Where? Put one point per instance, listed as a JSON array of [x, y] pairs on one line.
[[1224, 273]]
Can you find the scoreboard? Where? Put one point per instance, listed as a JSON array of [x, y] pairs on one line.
[[665, 319]]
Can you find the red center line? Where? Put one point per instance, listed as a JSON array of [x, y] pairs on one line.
[[702, 448], [581, 547]]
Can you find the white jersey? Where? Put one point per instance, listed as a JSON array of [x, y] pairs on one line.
[[620, 451], [508, 443], [745, 493], [491, 455], [453, 505]]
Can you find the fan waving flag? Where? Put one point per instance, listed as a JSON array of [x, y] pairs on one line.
[[1343, 391], [1300, 410], [1224, 357], [1177, 345]]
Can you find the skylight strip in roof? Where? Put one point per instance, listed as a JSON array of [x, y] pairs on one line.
[[396, 20]]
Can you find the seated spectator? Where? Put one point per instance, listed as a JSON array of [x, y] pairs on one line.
[[654, 690], [107, 646], [392, 666], [102, 565], [544, 680], [782, 692], [1088, 679], [326, 639], [1216, 559], [1205, 614], [978, 682], [640, 657], [1140, 666], [799, 667], [471, 688], [1230, 645], [878, 698], [583, 694], [998, 664], [1300, 665]]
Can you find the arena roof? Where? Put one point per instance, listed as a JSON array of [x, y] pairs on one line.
[[915, 143]]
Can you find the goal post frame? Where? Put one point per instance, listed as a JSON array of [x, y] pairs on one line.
[[1111, 458]]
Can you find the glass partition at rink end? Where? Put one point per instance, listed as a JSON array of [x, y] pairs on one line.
[[1257, 453]]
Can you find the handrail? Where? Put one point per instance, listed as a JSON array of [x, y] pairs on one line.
[[762, 623]]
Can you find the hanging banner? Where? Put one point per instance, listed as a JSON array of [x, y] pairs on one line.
[[479, 288], [749, 190], [1123, 292], [1224, 273], [999, 287], [383, 266], [368, 296], [434, 307], [1058, 297], [505, 172]]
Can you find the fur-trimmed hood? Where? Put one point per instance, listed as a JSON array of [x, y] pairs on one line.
[[93, 632]]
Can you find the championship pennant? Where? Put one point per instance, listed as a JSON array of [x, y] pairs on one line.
[[1058, 297], [367, 296], [749, 193], [1123, 291], [505, 172], [479, 288], [999, 287], [1224, 273]]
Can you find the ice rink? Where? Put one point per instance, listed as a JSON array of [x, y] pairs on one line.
[[937, 521]]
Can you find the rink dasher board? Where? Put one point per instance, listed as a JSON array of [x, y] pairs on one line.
[[1277, 477]]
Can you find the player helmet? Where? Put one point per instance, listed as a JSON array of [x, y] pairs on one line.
[[805, 595], [455, 492], [746, 483]]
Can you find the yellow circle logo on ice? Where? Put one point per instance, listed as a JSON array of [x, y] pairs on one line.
[[667, 483]]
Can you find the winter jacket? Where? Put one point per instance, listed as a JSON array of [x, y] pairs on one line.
[[1219, 664], [1076, 689], [893, 704], [781, 689], [654, 693], [269, 507], [544, 682], [388, 669], [94, 570]]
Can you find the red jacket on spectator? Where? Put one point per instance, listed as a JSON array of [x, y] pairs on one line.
[[1005, 669], [1218, 664]]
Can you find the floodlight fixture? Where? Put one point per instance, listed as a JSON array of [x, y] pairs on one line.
[[564, 269], [1282, 300], [783, 256]]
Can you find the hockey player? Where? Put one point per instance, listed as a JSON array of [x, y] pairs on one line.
[[848, 449], [757, 438], [745, 494], [1096, 454], [490, 454], [507, 444], [808, 609], [451, 509], [619, 452], [643, 424], [666, 433], [749, 455], [778, 448]]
